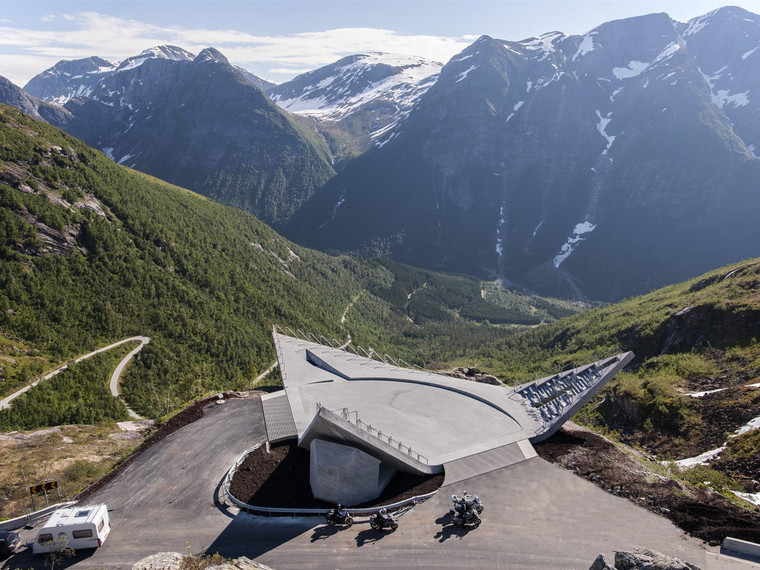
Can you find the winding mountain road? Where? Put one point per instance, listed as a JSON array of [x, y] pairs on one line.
[[114, 382]]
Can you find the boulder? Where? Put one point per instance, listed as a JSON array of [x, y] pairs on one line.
[[642, 560], [160, 561], [174, 561]]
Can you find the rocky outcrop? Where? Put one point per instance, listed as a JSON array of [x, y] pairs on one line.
[[475, 375], [160, 561], [641, 560], [174, 561]]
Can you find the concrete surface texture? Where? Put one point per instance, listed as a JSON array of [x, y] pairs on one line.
[[343, 474], [536, 516]]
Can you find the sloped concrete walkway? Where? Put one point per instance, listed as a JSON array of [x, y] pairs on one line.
[[487, 461], [277, 417]]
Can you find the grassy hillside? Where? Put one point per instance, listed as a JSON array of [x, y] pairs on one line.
[[698, 336], [92, 252]]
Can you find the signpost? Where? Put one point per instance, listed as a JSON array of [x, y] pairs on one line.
[[42, 489]]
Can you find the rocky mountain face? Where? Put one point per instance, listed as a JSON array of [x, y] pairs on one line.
[[195, 121], [13, 95], [357, 99], [599, 166]]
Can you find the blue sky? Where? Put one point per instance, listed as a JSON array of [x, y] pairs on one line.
[[279, 39]]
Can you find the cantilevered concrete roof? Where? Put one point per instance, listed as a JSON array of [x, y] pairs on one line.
[[440, 418]]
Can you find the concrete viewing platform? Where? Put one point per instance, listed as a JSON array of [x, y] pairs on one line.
[[421, 421]]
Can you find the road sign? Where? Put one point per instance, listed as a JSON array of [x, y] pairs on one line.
[[43, 488]]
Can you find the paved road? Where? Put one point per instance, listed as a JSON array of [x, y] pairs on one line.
[[537, 516]]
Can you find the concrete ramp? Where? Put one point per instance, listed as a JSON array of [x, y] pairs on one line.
[[487, 461], [277, 417]]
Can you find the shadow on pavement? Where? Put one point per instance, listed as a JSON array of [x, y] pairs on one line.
[[324, 532], [25, 559], [370, 536], [252, 535], [449, 529]]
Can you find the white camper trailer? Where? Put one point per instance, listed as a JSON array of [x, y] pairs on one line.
[[76, 527]]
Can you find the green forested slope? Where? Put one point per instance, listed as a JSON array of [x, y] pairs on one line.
[[693, 337], [91, 252]]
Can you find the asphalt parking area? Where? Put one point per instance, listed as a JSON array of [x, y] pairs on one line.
[[536, 515]]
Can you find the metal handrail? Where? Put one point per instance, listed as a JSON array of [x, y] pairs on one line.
[[345, 414], [595, 357], [322, 340]]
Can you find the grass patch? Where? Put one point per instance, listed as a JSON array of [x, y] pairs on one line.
[[703, 476], [73, 455]]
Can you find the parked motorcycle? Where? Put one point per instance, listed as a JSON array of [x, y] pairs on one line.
[[382, 520], [468, 518], [466, 510], [339, 517]]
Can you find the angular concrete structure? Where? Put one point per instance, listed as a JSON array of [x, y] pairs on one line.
[[421, 422]]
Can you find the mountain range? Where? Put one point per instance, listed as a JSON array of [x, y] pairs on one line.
[[601, 165], [195, 121], [595, 166]]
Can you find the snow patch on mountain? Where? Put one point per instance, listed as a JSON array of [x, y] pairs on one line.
[[158, 52], [633, 69], [601, 126], [697, 24], [500, 233], [465, 73], [666, 53], [515, 109], [586, 46], [578, 235], [543, 44], [462, 57], [339, 95], [723, 97]]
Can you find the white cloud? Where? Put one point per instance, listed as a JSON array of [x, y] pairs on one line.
[[113, 38]]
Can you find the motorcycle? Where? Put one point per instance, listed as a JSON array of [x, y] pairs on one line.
[[382, 520], [339, 517], [470, 517], [466, 510]]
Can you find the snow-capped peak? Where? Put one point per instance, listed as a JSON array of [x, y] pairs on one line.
[[211, 54], [544, 44], [158, 52], [337, 90]]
